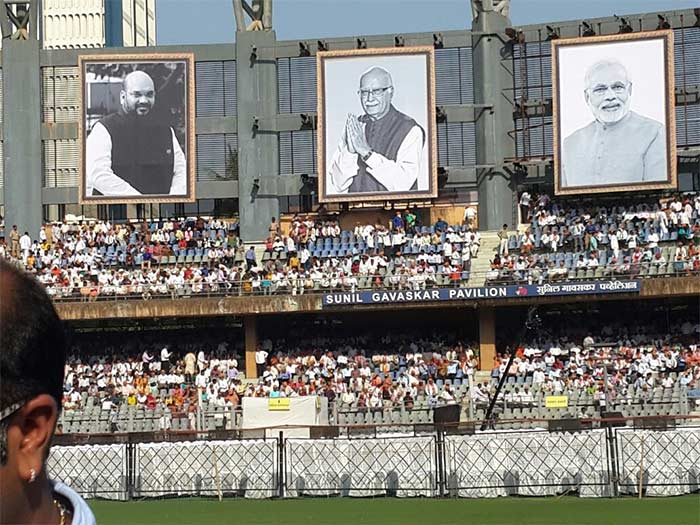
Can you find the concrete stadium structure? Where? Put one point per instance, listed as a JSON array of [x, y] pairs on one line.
[[494, 136], [494, 131]]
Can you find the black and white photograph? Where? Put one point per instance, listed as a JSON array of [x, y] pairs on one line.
[[376, 131], [614, 125], [137, 128]]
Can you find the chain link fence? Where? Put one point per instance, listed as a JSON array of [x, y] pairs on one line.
[[396, 466], [659, 463], [532, 463], [429, 462]]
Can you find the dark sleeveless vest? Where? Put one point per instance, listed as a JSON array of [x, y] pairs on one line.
[[385, 137], [142, 152]]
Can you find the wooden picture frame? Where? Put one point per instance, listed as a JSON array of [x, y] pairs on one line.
[[145, 62], [562, 103], [363, 59]]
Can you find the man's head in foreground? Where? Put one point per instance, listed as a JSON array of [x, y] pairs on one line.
[[32, 360]]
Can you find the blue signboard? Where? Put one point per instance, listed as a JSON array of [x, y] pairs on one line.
[[485, 292]]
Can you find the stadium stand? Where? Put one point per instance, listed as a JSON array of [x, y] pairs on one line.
[[181, 258], [644, 239], [383, 378], [172, 258]]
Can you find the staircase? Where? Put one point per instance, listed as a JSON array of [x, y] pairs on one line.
[[482, 263]]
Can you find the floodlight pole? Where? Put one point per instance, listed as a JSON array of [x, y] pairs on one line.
[[260, 13]]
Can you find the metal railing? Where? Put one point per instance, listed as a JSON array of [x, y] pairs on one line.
[[380, 282]]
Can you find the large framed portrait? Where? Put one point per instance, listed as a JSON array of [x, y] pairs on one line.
[[614, 115], [136, 129], [376, 124]]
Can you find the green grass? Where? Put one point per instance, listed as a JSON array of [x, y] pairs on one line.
[[684, 510]]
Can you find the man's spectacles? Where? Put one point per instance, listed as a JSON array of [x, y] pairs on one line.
[[5, 413], [365, 93], [601, 90]]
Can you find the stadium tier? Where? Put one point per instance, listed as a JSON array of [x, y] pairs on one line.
[[163, 382], [462, 263]]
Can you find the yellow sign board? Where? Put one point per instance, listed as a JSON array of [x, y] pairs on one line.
[[556, 401], [278, 403]]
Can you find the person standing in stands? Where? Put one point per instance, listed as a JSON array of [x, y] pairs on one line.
[[190, 362], [134, 151], [260, 360], [25, 244], [14, 242], [32, 362], [503, 241], [397, 221], [165, 360], [250, 258]]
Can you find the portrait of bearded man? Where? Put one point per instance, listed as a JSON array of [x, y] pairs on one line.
[[619, 146]]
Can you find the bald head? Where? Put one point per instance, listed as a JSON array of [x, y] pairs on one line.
[[138, 94], [608, 91], [376, 74], [376, 92]]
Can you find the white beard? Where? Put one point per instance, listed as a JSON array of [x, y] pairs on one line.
[[612, 117]]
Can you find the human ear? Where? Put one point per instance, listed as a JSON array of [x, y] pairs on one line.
[[34, 426]]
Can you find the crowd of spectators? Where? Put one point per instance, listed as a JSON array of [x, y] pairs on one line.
[[402, 254], [388, 371], [637, 358], [91, 259], [358, 371], [567, 242], [367, 372]]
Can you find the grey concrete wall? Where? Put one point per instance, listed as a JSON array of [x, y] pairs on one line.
[[258, 150], [492, 78], [22, 135]]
